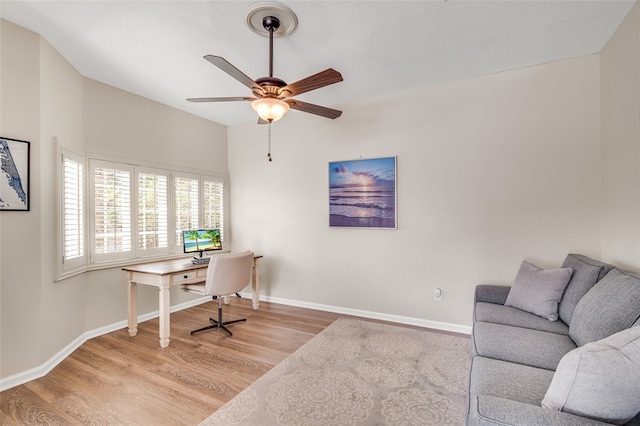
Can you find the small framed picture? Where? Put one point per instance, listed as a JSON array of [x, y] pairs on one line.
[[14, 176], [362, 193]]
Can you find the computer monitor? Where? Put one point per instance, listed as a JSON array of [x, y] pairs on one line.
[[201, 240]]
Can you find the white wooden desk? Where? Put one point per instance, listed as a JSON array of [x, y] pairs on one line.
[[163, 275]]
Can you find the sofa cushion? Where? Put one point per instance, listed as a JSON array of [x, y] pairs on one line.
[[600, 380], [612, 305], [520, 345], [586, 273], [491, 377], [496, 411], [500, 314], [538, 291]]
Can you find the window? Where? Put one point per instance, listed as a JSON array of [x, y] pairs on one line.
[[134, 211], [111, 210], [153, 210], [198, 197], [187, 205], [72, 212], [213, 201]]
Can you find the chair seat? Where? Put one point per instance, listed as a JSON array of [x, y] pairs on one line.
[[195, 288]]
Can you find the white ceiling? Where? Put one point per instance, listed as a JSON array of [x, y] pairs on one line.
[[155, 48]]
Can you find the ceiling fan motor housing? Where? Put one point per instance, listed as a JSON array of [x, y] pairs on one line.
[[270, 86]]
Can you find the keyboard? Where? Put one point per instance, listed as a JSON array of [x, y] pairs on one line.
[[200, 260]]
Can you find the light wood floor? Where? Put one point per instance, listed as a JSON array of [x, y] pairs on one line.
[[115, 379]]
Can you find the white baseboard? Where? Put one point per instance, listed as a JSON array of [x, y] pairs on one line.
[[45, 368], [436, 325]]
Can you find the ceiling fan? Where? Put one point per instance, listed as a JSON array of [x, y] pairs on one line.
[[272, 96]]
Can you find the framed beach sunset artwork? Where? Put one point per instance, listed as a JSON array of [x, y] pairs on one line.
[[362, 193]]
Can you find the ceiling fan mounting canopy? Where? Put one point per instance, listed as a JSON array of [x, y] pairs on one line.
[[271, 23], [254, 19], [272, 95]]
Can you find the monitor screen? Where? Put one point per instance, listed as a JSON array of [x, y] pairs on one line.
[[201, 240]]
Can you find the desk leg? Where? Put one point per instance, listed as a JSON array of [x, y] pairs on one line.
[[133, 309], [255, 283], [164, 317]]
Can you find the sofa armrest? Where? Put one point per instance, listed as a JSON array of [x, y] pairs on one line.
[[491, 293], [493, 410]]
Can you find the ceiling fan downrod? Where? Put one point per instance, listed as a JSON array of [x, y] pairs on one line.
[[270, 84], [271, 24]]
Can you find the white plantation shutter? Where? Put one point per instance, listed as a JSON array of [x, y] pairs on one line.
[[73, 209], [187, 205], [111, 210], [153, 211], [213, 200], [72, 198]]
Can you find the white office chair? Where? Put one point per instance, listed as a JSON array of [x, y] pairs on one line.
[[227, 274]]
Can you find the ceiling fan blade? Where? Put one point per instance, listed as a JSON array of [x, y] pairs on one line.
[[234, 72], [316, 81], [314, 109], [238, 98]]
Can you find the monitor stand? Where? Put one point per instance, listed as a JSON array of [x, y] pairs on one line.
[[201, 260]]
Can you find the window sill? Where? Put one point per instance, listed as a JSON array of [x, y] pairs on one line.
[[121, 263]]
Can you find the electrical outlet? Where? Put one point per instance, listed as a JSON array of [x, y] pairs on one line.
[[437, 294]]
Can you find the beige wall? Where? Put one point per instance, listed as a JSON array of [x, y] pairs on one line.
[[620, 68], [20, 288], [491, 171], [61, 111], [119, 124], [44, 98]]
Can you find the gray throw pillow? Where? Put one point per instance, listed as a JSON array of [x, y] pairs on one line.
[[612, 305], [538, 290], [586, 273], [600, 380]]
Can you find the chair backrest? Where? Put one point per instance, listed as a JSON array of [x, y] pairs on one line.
[[228, 273]]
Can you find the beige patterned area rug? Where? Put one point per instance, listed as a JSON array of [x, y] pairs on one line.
[[359, 373]]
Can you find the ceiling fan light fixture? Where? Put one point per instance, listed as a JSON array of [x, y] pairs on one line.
[[270, 109]]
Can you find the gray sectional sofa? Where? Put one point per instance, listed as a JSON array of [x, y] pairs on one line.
[[582, 368]]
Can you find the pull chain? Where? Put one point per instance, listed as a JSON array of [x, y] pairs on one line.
[[269, 144]]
